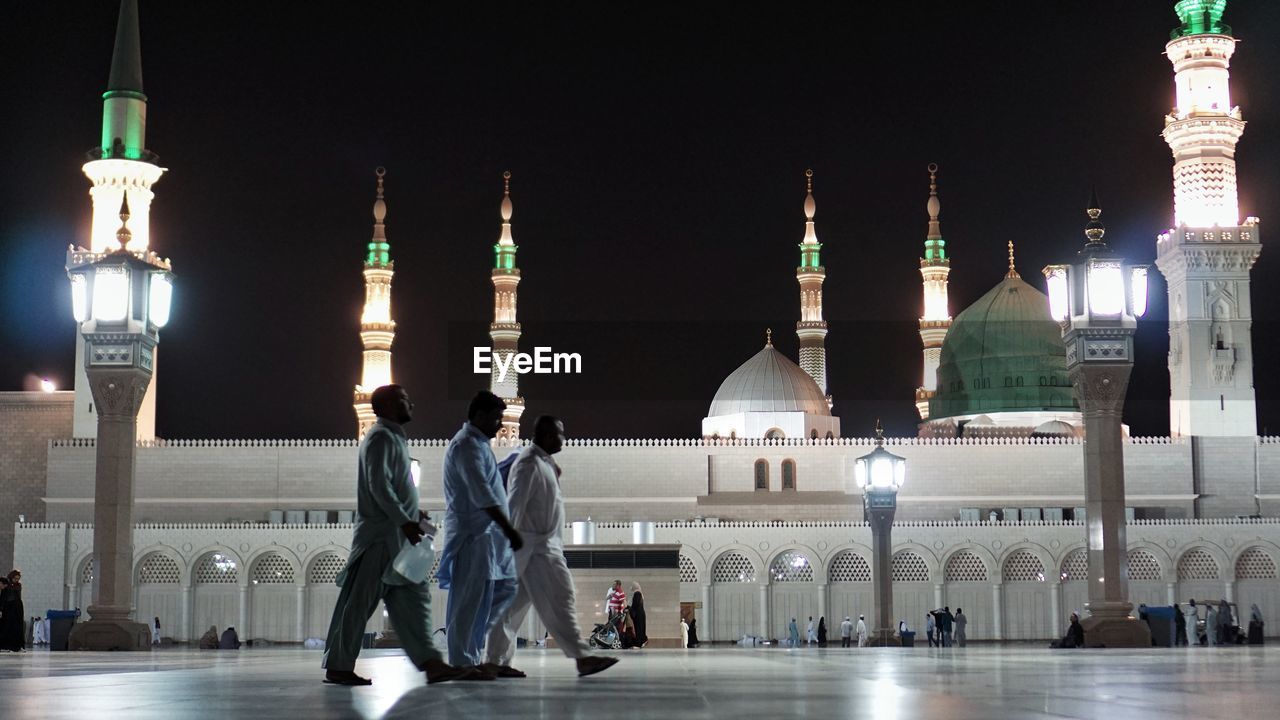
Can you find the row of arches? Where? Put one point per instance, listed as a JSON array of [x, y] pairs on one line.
[[1027, 599], [272, 595]]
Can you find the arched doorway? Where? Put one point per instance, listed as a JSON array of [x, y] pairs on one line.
[[1026, 597], [273, 599], [159, 594], [735, 597]]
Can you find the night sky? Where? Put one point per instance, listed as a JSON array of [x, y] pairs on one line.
[[658, 157]]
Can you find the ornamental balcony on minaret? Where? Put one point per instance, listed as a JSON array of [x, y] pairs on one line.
[[1208, 254]]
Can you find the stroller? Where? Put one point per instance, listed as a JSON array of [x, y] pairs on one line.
[[607, 635]]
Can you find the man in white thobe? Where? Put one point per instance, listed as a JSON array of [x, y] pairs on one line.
[[811, 636], [537, 512], [862, 631]]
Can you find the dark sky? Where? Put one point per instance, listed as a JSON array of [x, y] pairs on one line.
[[658, 157]]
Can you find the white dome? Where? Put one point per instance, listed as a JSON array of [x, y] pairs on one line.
[[1055, 428], [768, 382]]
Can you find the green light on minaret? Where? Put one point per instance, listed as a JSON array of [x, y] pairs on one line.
[[1201, 17], [379, 254], [935, 249], [809, 255], [504, 257], [124, 112]]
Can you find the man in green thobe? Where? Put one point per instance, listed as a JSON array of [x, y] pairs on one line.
[[387, 520]]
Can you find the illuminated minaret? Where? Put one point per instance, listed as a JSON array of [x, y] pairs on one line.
[[812, 329], [120, 162], [1207, 255], [377, 329], [505, 330], [935, 266]]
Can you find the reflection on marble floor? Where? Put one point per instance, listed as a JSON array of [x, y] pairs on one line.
[[887, 684]]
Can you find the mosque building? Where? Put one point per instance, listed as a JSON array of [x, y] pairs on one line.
[[251, 533]]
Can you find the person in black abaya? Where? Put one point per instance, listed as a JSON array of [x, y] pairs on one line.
[[637, 615], [13, 617], [822, 632], [693, 632]]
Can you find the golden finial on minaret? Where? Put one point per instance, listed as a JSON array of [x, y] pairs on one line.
[[1013, 271], [809, 182], [123, 236], [506, 182], [768, 337]]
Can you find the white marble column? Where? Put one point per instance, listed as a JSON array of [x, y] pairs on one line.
[[764, 611], [704, 618], [937, 596], [1055, 607], [188, 615], [300, 629], [1229, 591], [242, 624], [822, 604], [997, 612], [1171, 592]]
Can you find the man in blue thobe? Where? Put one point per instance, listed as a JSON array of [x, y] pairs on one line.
[[477, 566]]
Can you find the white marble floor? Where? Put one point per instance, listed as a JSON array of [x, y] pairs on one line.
[[886, 684]]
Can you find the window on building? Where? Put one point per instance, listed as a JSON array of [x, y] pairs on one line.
[[788, 474], [762, 475]]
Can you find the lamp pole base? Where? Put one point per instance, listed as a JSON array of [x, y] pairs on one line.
[[1107, 631], [110, 635]]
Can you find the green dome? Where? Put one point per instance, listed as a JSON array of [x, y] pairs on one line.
[[1004, 353]]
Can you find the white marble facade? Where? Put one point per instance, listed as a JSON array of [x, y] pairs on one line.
[[1014, 580]]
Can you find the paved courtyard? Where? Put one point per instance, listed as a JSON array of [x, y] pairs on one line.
[[886, 684]]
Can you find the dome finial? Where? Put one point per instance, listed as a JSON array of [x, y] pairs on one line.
[[123, 236], [1013, 271], [379, 204], [810, 207], [879, 433], [768, 337], [506, 196], [934, 206]]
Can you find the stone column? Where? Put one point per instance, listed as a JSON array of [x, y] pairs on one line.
[[705, 619], [1171, 592], [997, 612], [764, 611], [242, 624], [1229, 591], [880, 511], [117, 394], [822, 603], [937, 596], [188, 614], [300, 630], [1100, 388], [1055, 606]]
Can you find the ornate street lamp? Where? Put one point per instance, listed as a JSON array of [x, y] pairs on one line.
[[879, 475], [120, 299], [1098, 301]]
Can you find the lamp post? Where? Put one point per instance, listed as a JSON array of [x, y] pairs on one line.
[[1097, 300], [120, 299], [879, 475]]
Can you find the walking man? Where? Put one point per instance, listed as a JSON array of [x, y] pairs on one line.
[[862, 631], [846, 632], [811, 636], [931, 629], [615, 599], [537, 512], [960, 621], [387, 520], [477, 566]]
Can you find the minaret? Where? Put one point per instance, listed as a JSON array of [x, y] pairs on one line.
[[812, 329], [1208, 254], [505, 330], [121, 161], [377, 329], [935, 266]]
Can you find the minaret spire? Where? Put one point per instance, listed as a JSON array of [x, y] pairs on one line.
[[812, 328], [120, 161], [1208, 254], [935, 267], [377, 329], [505, 328], [1013, 270]]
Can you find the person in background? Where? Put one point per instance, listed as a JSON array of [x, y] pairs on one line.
[[615, 599], [1191, 616], [1075, 634], [684, 633], [810, 632], [1180, 625], [822, 631], [209, 640], [862, 631], [230, 640], [1227, 636], [793, 634], [693, 632], [931, 629], [961, 621], [1211, 624], [1256, 625], [846, 632], [637, 615], [13, 623], [155, 632]]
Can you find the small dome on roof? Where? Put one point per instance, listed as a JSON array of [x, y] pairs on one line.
[[768, 382]]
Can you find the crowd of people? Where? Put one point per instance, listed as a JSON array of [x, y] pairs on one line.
[[628, 619], [504, 554]]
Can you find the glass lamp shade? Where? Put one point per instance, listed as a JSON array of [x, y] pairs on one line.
[[881, 470], [860, 473], [1105, 281], [161, 297], [79, 297], [110, 293], [1059, 298], [1138, 289]]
